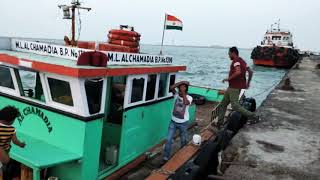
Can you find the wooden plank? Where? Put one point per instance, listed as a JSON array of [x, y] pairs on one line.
[[179, 158], [127, 168], [26, 173], [137, 161]]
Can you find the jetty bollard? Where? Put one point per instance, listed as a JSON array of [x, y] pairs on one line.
[[287, 85]]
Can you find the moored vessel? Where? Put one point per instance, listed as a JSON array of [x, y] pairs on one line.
[[276, 49]]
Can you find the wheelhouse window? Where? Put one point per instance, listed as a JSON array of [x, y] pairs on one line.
[[60, 91], [147, 88], [151, 87], [276, 37], [163, 85], [172, 80], [137, 90], [30, 85], [5, 78], [93, 89]]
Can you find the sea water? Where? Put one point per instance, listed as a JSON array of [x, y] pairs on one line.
[[208, 66]]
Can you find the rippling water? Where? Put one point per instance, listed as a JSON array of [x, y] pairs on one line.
[[209, 66]]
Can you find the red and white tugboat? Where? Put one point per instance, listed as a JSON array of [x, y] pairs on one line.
[[276, 49]]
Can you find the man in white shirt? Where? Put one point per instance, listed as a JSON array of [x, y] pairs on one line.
[[180, 116]]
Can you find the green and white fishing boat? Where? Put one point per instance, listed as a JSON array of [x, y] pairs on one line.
[[86, 122]]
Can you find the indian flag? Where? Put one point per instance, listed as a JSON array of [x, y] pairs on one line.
[[173, 23]]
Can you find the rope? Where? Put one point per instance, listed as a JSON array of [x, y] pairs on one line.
[[267, 89], [164, 172], [80, 24]]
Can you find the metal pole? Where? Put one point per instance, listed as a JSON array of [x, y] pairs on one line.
[[73, 26], [164, 27]]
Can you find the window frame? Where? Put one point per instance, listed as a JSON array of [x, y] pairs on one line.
[[155, 96], [129, 90], [145, 77], [41, 74], [103, 95], [74, 83], [6, 90], [167, 94], [175, 81], [80, 105]]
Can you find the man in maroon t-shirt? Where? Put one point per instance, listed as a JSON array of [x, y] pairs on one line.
[[237, 81]]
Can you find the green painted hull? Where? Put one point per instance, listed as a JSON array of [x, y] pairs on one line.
[[210, 94], [50, 135], [142, 128]]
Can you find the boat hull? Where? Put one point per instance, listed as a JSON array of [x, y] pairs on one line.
[[279, 57], [279, 63]]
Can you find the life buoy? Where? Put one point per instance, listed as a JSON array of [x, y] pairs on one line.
[[124, 38], [112, 47], [86, 45], [124, 43], [117, 48], [134, 50], [124, 33]]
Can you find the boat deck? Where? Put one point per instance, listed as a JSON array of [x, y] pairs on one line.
[[203, 116]]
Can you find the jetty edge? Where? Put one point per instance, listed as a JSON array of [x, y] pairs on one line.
[[286, 144]]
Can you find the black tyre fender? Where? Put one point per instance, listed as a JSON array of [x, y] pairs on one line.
[[198, 99]]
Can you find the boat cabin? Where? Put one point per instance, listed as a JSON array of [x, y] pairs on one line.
[[82, 121], [277, 37]]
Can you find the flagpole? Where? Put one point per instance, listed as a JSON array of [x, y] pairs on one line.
[[164, 28]]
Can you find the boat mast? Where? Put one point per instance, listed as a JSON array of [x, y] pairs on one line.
[[75, 4]]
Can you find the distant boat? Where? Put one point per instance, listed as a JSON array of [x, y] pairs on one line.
[[276, 49]]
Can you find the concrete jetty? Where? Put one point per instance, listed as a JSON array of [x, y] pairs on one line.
[[286, 143]]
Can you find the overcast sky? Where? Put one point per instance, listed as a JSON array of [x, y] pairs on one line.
[[206, 22]]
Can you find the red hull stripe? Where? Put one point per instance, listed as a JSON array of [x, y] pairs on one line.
[[264, 62], [83, 72], [272, 63]]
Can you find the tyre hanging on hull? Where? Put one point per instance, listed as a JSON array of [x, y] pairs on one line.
[[198, 99]]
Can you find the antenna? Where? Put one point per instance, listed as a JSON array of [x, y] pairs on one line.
[[75, 4]]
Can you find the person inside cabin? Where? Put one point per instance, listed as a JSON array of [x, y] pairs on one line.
[[237, 81], [7, 135], [180, 117]]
